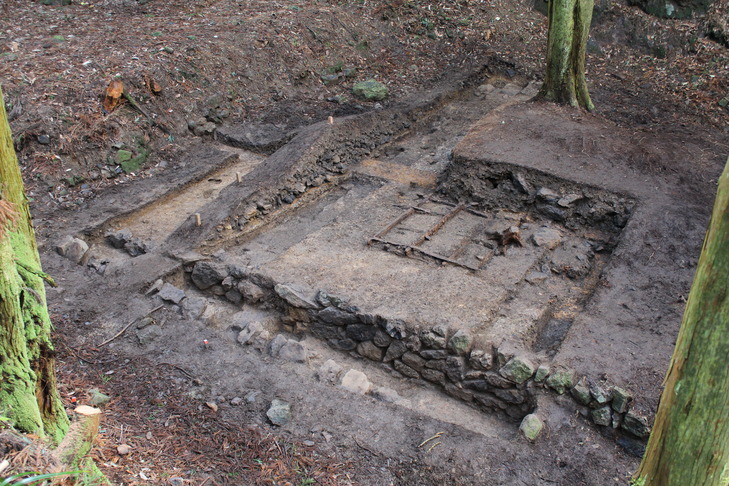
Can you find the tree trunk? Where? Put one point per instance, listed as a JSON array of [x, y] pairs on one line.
[[689, 444], [569, 27], [28, 393]]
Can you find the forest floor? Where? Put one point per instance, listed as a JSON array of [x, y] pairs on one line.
[[292, 64]]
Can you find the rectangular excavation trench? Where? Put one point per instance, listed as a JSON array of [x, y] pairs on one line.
[[437, 289]]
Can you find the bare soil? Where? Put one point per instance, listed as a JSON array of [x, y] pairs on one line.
[[659, 136]]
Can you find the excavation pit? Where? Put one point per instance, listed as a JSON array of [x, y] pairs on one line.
[[436, 287], [466, 320]]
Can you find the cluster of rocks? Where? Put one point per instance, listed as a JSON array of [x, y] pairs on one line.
[[491, 378], [77, 250], [291, 189], [574, 205], [337, 73], [124, 240], [334, 152], [72, 248], [206, 125]]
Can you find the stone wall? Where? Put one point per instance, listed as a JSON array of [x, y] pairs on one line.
[[485, 376]]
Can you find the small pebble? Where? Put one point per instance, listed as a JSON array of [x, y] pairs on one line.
[[212, 406], [123, 449]]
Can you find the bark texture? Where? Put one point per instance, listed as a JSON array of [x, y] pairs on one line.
[[28, 393], [689, 444], [569, 28]]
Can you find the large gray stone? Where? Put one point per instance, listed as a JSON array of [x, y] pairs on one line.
[[434, 354], [356, 382], [294, 297], [511, 395], [520, 182], [361, 332], [394, 328], [194, 307], [405, 370], [337, 317], [433, 340], [148, 334], [573, 258], [601, 394], [293, 351], [234, 296], [279, 413], [387, 395], [264, 137], [252, 293], [343, 344], [329, 371], [370, 351], [413, 360], [394, 351], [250, 332], [171, 293], [72, 248], [434, 376], [381, 339], [274, 347], [206, 274], [541, 374], [547, 237], [455, 368], [328, 300], [496, 380], [118, 239], [96, 398]]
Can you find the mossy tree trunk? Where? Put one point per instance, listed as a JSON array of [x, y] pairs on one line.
[[569, 27], [689, 444], [28, 393]]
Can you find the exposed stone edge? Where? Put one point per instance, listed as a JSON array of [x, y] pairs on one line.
[[493, 378]]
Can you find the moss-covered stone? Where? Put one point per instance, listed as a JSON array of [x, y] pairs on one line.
[[561, 380], [517, 370], [531, 426], [123, 156], [602, 416], [621, 400], [636, 425], [541, 373], [460, 342], [581, 393], [370, 90]]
